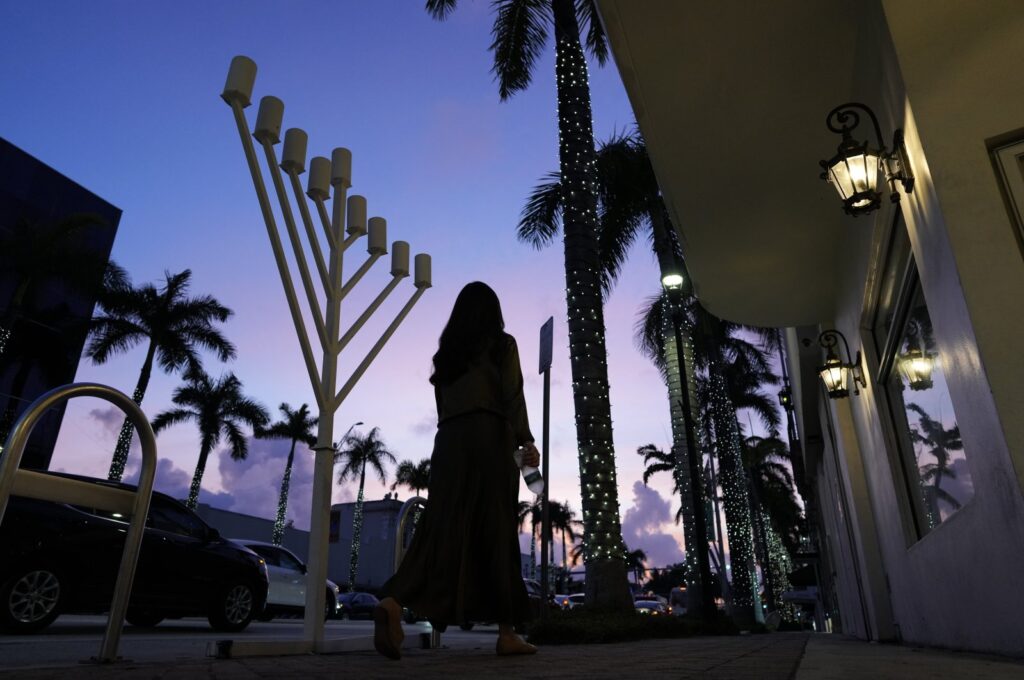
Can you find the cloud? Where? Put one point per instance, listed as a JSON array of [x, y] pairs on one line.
[[111, 419], [643, 525], [173, 481], [253, 485], [425, 426]]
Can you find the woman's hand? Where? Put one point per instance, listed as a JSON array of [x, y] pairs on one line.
[[531, 456]]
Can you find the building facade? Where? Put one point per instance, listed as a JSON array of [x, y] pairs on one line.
[[918, 472], [55, 240]]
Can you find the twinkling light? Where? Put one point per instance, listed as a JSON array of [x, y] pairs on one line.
[[357, 530], [780, 566], [587, 354], [282, 502], [5, 335], [734, 494], [124, 437]]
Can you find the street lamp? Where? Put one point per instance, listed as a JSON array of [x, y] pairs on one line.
[[857, 166], [673, 280]]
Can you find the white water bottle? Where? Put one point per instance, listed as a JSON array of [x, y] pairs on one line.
[[531, 475]]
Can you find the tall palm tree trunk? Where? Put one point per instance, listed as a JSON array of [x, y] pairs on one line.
[[357, 530], [124, 438], [734, 490], [533, 549], [607, 586], [197, 477], [565, 566], [282, 501]]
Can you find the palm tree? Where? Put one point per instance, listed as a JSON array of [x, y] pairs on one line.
[[175, 327], [219, 409], [940, 442], [357, 452], [298, 427], [635, 562], [520, 33], [529, 512], [413, 476], [563, 520]]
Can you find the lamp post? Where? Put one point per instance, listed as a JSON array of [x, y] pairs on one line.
[[346, 215], [672, 278]]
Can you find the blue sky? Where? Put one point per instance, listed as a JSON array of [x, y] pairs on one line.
[[122, 97]]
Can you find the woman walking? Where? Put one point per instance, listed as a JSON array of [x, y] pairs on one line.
[[463, 564]]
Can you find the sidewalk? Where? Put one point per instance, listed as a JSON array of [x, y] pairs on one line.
[[780, 656]]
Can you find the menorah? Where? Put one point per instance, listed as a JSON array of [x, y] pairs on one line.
[[346, 215]]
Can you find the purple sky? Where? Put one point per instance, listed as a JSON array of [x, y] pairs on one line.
[[123, 98]]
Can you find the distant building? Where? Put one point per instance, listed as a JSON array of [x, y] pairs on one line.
[[43, 316]]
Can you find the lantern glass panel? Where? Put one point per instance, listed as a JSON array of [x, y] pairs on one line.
[[855, 174], [835, 376]]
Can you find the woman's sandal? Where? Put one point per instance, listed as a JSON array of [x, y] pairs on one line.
[[512, 645], [387, 629]]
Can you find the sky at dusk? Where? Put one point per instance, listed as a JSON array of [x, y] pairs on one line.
[[123, 97]]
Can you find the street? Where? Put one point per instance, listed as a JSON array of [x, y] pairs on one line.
[[73, 639]]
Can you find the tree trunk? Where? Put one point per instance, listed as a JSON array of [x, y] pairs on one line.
[[124, 438], [282, 501], [197, 478], [357, 530], [607, 586], [565, 567], [734, 490], [533, 550]]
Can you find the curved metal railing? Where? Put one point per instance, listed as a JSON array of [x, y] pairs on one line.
[[41, 486]]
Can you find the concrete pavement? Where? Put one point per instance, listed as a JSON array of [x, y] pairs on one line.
[[780, 656]]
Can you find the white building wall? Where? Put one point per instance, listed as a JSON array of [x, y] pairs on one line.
[[949, 73]]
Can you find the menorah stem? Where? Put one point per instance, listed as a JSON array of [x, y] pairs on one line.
[[307, 222], [365, 316], [293, 236], [325, 221], [275, 244]]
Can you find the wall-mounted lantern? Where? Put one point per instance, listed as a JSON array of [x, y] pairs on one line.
[[837, 372], [856, 168]]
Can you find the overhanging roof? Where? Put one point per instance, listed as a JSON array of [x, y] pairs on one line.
[[731, 97]]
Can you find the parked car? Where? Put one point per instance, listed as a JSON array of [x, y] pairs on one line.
[[357, 605], [571, 601], [287, 594], [652, 607], [64, 559]]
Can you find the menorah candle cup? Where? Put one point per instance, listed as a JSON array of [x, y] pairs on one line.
[[293, 157], [268, 120], [399, 258], [241, 78], [377, 243], [341, 167], [318, 185], [356, 214], [422, 278]]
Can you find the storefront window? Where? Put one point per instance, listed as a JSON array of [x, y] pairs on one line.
[[931, 449]]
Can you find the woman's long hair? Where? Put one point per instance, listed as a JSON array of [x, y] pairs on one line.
[[474, 327]]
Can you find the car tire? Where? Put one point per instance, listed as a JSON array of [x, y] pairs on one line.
[[144, 618], [31, 599], [234, 608], [329, 611], [466, 626]]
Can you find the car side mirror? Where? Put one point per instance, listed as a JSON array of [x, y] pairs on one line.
[[213, 535]]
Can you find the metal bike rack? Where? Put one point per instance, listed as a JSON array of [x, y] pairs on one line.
[[39, 486], [416, 502]]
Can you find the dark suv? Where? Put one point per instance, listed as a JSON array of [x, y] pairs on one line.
[[63, 559]]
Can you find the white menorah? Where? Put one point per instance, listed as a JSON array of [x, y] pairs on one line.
[[348, 216]]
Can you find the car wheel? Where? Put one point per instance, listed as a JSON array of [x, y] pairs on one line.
[[466, 626], [329, 611], [234, 609], [144, 618], [31, 600]]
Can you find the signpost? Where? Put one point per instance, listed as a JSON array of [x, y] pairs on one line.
[[546, 343]]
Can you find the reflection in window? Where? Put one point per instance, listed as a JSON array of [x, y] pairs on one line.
[[933, 452]]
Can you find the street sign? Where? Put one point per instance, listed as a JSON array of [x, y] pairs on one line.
[[547, 332]]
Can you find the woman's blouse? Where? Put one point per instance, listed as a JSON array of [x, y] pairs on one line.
[[489, 386]]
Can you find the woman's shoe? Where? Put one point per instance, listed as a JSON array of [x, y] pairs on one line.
[[511, 645], [387, 628]]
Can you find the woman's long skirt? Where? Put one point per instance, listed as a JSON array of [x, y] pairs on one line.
[[463, 563]]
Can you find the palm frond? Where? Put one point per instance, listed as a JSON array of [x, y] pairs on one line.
[[541, 218], [441, 9], [519, 34], [171, 417], [597, 41]]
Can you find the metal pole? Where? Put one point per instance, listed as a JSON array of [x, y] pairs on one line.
[[545, 530], [700, 530]]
